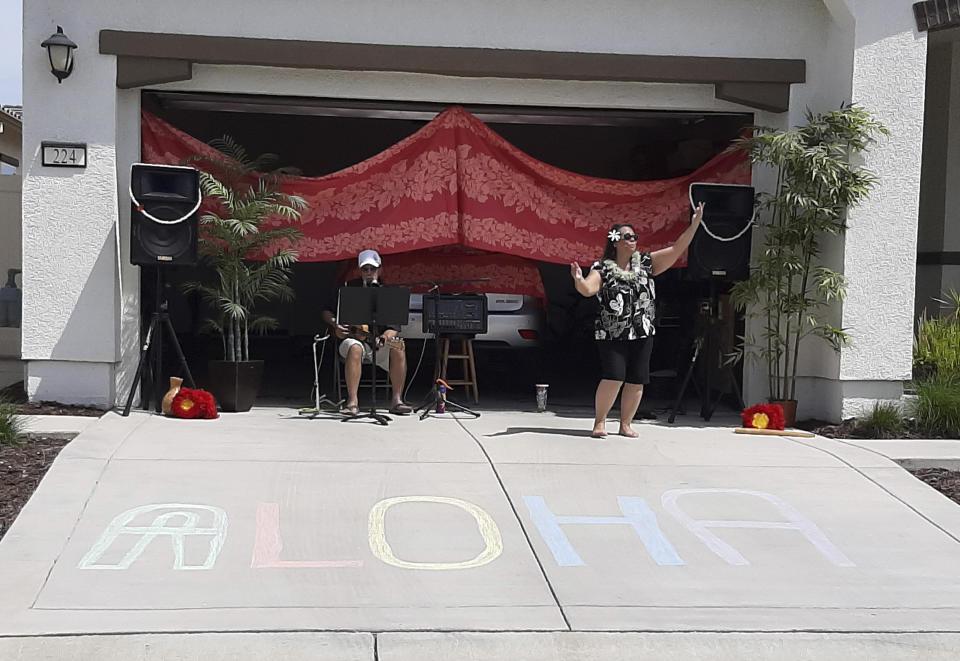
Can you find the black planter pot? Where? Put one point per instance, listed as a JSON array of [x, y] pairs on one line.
[[235, 384]]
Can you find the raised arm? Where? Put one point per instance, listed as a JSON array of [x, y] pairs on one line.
[[667, 257], [587, 286]]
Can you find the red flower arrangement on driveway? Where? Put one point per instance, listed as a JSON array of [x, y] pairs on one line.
[[193, 403], [763, 416]]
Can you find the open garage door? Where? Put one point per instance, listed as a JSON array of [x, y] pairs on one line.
[[319, 137]]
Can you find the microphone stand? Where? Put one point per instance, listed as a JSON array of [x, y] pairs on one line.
[[319, 398]]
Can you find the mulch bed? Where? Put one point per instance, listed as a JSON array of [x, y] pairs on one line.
[[22, 466], [848, 429], [823, 428], [55, 408], [945, 481]]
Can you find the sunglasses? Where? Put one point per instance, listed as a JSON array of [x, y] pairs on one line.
[[629, 237]]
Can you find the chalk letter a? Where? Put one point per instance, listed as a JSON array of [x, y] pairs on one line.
[[161, 526], [795, 521]]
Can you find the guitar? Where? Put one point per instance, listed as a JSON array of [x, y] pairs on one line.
[[363, 334]]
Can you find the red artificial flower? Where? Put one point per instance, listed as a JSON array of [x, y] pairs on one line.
[[763, 416], [193, 403]]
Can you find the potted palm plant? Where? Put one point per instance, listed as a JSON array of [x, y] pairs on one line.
[[789, 290], [250, 255]]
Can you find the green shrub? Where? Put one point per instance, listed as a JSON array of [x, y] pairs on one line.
[[936, 346], [937, 407], [11, 426], [885, 421], [950, 304]]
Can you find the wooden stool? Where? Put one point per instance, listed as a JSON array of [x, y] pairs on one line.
[[469, 379]]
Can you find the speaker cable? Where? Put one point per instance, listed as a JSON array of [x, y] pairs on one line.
[[703, 222]]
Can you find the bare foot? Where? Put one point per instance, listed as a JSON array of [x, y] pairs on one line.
[[599, 432], [628, 432]]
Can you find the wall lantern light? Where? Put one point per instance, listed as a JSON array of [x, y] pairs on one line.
[[60, 50]]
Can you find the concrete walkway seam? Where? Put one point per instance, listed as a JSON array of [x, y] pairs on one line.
[[881, 486], [516, 514]]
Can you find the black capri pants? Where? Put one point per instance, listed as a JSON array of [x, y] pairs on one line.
[[625, 360]]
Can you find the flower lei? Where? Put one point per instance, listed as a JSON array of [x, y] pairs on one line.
[[763, 416], [193, 403], [629, 274]]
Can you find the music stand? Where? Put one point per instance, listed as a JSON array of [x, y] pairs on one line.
[[373, 306]]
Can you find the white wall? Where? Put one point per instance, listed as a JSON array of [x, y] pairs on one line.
[[70, 298], [881, 246]]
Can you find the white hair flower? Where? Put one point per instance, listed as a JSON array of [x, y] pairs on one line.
[[613, 235]]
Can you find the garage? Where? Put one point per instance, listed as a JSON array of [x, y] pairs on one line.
[[321, 136]]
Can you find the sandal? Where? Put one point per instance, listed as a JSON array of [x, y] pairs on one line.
[[400, 409], [353, 409]]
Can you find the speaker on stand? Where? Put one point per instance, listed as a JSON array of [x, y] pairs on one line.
[[718, 256], [163, 231], [163, 217]]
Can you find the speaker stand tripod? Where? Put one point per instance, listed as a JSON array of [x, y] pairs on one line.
[[160, 317], [437, 402], [707, 345]]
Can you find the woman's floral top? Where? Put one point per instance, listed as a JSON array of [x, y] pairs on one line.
[[626, 299]]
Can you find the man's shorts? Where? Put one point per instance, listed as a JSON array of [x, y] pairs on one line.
[[383, 353]]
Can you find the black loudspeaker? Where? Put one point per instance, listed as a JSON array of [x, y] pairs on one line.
[[163, 217], [720, 249]]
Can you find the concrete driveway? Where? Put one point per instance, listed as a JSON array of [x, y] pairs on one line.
[[514, 535]]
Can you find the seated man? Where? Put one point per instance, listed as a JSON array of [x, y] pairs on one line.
[[355, 352]]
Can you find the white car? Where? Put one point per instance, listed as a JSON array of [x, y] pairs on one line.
[[513, 320]]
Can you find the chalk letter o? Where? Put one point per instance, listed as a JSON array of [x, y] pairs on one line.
[[381, 548]]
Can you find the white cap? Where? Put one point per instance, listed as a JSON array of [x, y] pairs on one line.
[[370, 257]]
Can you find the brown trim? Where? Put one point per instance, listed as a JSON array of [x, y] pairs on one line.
[[939, 258], [139, 71], [774, 97], [467, 62]]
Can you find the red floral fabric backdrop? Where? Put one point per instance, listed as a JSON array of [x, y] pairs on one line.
[[505, 274], [457, 182]]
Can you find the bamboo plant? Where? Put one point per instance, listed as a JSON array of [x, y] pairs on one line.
[[250, 254], [817, 181]]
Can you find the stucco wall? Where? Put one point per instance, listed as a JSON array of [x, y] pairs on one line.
[[881, 246], [71, 296]]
